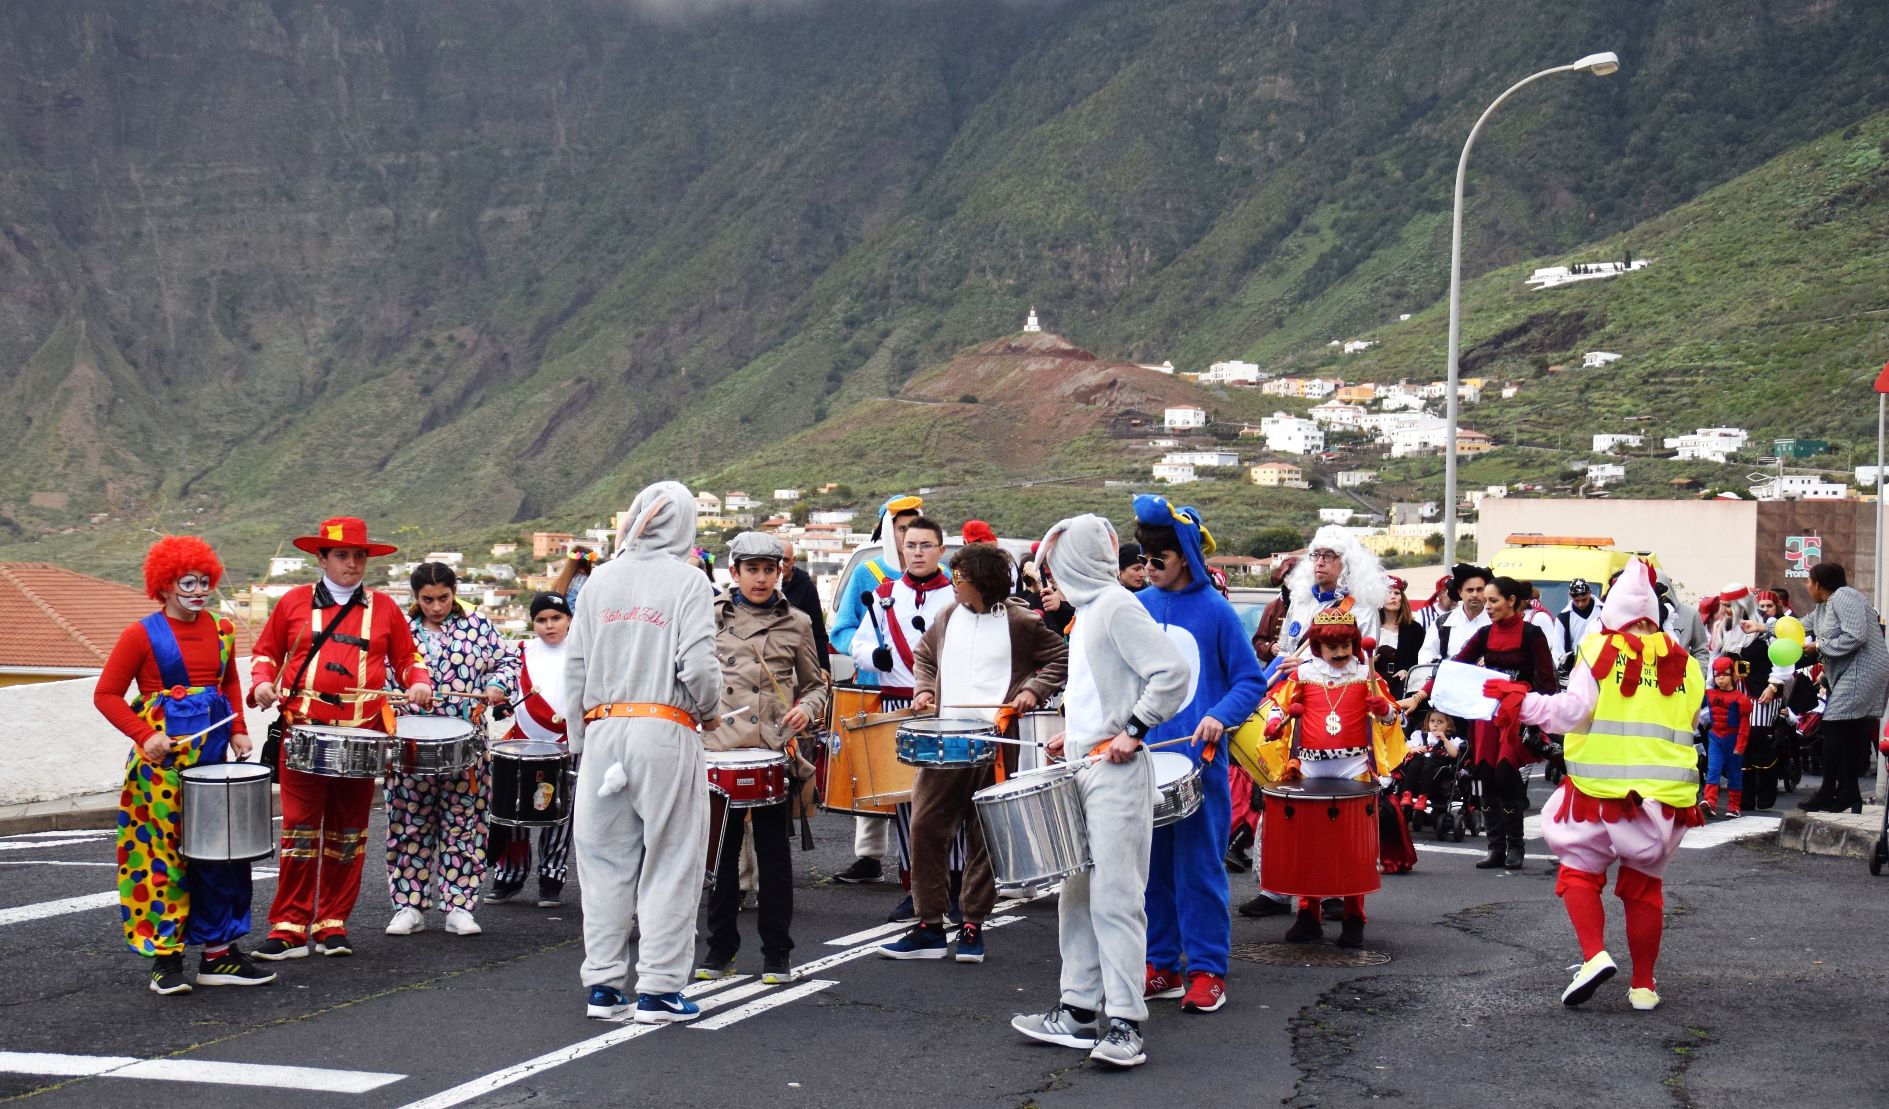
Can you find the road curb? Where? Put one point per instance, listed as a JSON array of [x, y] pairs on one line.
[[59, 820], [1842, 835]]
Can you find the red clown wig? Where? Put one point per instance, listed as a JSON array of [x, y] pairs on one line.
[[174, 556]]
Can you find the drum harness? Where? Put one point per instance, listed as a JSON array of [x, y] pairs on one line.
[[272, 746]]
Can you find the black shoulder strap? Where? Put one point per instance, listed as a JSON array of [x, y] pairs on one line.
[[321, 637]]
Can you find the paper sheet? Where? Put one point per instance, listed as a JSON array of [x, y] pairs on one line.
[[1458, 690]]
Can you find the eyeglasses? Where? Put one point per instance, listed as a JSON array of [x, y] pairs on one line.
[[921, 548], [1327, 556], [193, 583]]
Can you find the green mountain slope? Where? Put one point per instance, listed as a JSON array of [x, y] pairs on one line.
[[461, 267]]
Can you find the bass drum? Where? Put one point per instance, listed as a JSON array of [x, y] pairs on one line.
[[861, 772]]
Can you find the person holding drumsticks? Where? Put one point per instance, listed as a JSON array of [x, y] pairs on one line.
[[359, 639], [436, 822], [1125, 678], [542, 704], [986, 650], [185, 715], [772, 675]]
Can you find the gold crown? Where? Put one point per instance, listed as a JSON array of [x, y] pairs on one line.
[[1329, 617]]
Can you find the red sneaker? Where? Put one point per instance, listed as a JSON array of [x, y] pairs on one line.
[[1205, 993], [1161, 984]]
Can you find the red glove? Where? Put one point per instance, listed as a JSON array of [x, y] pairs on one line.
[[1377, 706], [1500, 688]]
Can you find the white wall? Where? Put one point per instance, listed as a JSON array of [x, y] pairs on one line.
[[54, 744]]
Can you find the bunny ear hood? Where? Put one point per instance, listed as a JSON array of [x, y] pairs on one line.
[[1080, 553], [661, 520]]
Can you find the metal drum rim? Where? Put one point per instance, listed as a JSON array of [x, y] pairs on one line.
[[946, 726], [745, 757], [1329, 789], [460, 730], [253, 771], [512, 750], [336, 730]]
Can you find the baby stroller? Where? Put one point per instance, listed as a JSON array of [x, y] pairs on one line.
[[1450, 801]]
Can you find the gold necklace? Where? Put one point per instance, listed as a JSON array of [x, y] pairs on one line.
[[1332, 721]]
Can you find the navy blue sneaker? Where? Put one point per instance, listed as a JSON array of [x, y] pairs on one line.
[[970, 943], [667, 1008], [606, 1002], [921, 941]]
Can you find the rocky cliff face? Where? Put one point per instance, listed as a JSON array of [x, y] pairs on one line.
[[447, 264]]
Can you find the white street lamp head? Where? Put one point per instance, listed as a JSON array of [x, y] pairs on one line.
[[1600, 65]]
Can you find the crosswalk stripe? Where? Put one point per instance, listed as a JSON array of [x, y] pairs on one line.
[[195, 1070], [878, 931], [40, 910], [771, 1001], [809, 968], [87, 833], [40, 844], [49, 862]]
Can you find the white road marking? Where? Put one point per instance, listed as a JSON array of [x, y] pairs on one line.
[[196, 1070], [772, 1001], [499, 1079], [86, 832], [1444, 849], [1730, 831], [40, 844], [865, 934], [48, 862], [806, 969], [41, 910]]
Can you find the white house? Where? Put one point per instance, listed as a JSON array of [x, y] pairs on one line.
[[1291, 435], [1356, 345], [1601, 474], [1352, 479], [708, 503], [1164, 442], [450, 558], [1336, 515], [1708, 444], [1434, 390], [1231, 373], [1184, 418], [1469, 392], [1334, 414], [499, 571], [1284, 387], [1318, 388], [286, 564], [1174, 473], [1424, 433], [786, 494], [1402, 402], [1606, 444], [832, 516], [1800, 487], [738, 502], [1031, 323], [1201, 458], [1550, 276], [1595, 359]]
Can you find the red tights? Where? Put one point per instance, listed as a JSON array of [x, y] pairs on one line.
[[1641, 896]]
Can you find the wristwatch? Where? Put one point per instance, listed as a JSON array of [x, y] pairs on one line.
[[1135, 729]]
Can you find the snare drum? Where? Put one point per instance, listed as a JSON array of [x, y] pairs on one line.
[[1034, 827], [335, 752], [748, 778], [1178, 779], [945, 744], [1318, 838], [428, 745], [1035, 730], [532, 784], [226, 812]]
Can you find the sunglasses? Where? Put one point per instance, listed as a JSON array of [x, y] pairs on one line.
[[1155, 562]]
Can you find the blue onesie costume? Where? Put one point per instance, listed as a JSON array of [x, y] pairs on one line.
[[1187, 882]]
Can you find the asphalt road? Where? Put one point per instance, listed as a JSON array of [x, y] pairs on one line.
[[1774, 975]]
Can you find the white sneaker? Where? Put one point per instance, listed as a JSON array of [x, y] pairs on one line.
[[406, 922], [1643, 999], [460, 923], [1587, 978]]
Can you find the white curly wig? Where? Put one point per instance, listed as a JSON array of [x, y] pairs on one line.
[[1363, 578]]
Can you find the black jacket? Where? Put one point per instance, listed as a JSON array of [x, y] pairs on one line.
[[799, 591]]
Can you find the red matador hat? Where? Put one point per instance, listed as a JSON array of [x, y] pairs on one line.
[[342, 531], [1334, 625]]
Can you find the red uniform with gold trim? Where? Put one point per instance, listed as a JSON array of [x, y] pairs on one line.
[[324, 820]]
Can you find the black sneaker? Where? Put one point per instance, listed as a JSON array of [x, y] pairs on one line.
[[503, 892], [862, 871], [232, 968], [550, 893], [334, 946], [776, 970], [1263, 906], [167, 975], [274, 950], [902, 912]]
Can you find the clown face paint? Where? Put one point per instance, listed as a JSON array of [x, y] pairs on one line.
[[191, 593]]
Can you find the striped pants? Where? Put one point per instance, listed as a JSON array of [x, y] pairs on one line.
[[509, 850]]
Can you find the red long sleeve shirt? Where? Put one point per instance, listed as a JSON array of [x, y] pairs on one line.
[[344, 663], [133, 660]]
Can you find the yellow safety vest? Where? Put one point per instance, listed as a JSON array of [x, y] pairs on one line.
[[1640, 744]]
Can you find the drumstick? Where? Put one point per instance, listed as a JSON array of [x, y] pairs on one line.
[[206, 731]]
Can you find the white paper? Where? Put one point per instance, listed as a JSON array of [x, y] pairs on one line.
[[1458, 690]]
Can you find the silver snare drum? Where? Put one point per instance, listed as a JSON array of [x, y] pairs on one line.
[[426, 745], [1035, 730], [335, 752], [1178, 779], [1034, 827], [226, 812]]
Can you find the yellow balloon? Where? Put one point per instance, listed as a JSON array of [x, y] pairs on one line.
[[1791, 628]]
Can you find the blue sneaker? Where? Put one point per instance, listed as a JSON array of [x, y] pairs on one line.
[[970, 943], [666, 1008], [921, 941], [606, 1002]]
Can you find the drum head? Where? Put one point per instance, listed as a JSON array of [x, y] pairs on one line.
[[1316, 789], [755, 757], [944, 726], [527, 750], [346, 733], [1028, 781], [224, 772], [431, 728], [1170, 767]]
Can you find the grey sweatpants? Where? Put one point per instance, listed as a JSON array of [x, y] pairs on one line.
[[640, 851], [1103, 923]]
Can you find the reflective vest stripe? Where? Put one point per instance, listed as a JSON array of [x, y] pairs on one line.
[[1662, 773], [1640, 729]]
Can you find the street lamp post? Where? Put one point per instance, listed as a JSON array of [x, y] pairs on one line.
[[1600, 65]]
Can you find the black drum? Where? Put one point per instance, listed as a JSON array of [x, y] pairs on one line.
[[532, 784]]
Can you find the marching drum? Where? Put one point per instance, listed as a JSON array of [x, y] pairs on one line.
[[748, 778], [433, 745], [335, 752], [945, 744], [226, 812], [1318, 838], [532, 783], [1035, 730], [1179, 782], [861, 772], [1034, 827]]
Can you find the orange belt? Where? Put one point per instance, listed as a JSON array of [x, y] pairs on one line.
[[637, 710]]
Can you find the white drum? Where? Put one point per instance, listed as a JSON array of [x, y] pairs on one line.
[[1178, 779], [226, 812]]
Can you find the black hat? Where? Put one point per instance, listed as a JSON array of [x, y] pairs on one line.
[[1130, 555], [553, 602], [1579, 588]]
